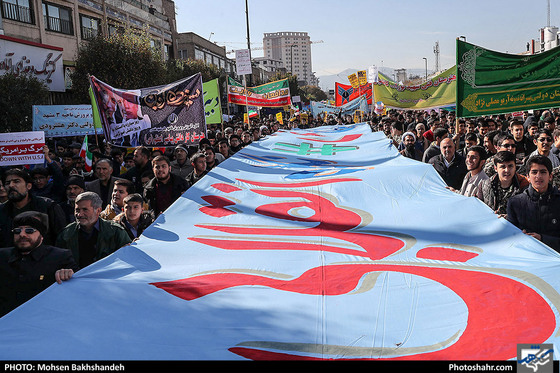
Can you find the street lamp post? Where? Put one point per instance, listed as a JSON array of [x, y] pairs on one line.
[[248, 36], [426, 63]]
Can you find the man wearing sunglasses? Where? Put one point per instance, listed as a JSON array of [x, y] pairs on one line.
[[502, 142], [543, 141], [30, 266]]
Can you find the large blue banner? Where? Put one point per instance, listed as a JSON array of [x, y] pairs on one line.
[[308, 244]]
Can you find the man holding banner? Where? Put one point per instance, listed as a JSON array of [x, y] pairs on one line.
[[30, 266]]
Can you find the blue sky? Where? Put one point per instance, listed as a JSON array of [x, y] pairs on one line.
[[359, 33]]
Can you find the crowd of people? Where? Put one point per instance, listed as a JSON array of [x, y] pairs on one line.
[[511, 163], [56, 218]]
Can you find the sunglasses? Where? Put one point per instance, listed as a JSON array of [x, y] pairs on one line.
[[26, 230], [509, 146]]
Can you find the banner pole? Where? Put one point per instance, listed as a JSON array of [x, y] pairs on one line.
[[227, 103], [246, 99], [457, 74], [95, 97]]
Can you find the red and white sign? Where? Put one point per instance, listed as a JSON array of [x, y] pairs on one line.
[[22, 148], [41, 61]]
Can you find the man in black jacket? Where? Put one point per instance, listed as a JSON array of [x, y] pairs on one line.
[[165, 187], [537, 210], [141, 165], [30, 266], [434, 148], [18, 185], [449, 164], [104, 183], [198, 162]]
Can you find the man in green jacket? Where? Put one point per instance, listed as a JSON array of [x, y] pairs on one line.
[[91, 238]]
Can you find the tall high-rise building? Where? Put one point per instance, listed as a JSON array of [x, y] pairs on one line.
[[294, 50]]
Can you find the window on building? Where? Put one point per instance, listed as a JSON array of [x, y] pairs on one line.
[[18, 10], [167, 51], [198, 54], [183, 54], [89, 26], [58, 19], [156, 44], [114, 29]]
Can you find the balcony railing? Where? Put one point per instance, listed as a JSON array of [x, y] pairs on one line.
[[89, 33], [59, 25], [17, 13]]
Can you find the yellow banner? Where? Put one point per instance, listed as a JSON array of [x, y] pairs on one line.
[[440, 91], [353, 78], [279, 118], [357, 116], [362, 77]]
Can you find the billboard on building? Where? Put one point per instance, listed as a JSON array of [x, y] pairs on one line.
[[44, 62]]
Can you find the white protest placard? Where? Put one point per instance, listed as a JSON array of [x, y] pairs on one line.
[[243, 62], [22, 148]]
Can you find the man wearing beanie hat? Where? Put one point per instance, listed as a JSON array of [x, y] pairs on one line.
[[30, 266], [181, 166], [18, 184], [75, 185]]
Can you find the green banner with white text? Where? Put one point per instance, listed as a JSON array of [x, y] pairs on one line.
[[490, 82]]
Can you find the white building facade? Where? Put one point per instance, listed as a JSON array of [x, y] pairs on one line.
[[294, 50]]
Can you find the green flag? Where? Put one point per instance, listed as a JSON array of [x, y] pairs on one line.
[[490, 82], [95, 110], [212, 105]]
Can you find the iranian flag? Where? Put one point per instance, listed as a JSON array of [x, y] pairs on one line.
[[86, 154]]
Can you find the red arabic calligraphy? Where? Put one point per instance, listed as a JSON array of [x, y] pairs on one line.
[[491, 298]]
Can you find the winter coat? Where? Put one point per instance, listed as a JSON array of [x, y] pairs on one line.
[[537, 213], [452, 175]]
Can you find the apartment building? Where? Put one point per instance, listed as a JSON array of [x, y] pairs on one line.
[[59, 27], [294, 50]]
